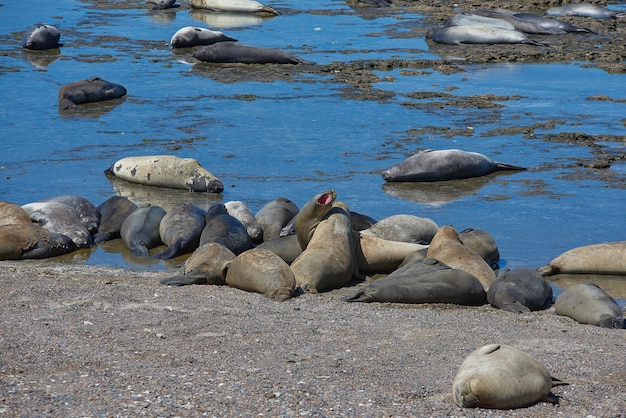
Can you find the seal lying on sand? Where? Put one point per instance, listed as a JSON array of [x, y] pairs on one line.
[[423, 281], [585, 10], [93, 89], [520, 290], [206, 265], [40, 37], [166, 171], [60, 218], [403, 227], [226, 229], [234, 52], [190, 36], [607, 258], [588, 304], [13, 214], [31, 241], [499, 376], [439, 165], [233, 6]]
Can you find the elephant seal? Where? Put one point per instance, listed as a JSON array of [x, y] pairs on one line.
[[41, 37], [520, 290], [423, 281], [166, 171], [378, 256], [587, 303], [87, 211], [261, 271], [112, 212], [93, 89], [478, 34], [243, 213], [311, 214], [468, 18], [483, 243], [13, 214], [191, 36], [405, 228], [287, 247], [225, 229], [180, 230], [234, 6], [553, 25], [234, 52], [206, 265], [60, 218], [274, 215], [447, 247], [607, 258], [31, 241], [360, 221], [140, 229], [328, 261], [162, 4], [440, 165], [523, 23], [499, 376], [585, 10]]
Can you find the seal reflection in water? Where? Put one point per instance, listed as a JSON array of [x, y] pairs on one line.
[[93, 89], [499, 376]]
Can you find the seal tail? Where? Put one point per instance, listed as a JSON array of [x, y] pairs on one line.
[[357, 296], [546, 270], [509, 167], [586, 30], [169, 252], [184, 280], [533, 42]]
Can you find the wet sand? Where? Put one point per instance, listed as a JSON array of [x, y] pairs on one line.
[[87, 341]]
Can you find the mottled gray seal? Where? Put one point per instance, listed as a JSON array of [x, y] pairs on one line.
[[404, 227], [439, 165], [585, 10], [311, 214], [243, 213], [31, 241], [60, 218], [520, 290], [328, 261], [112, 212], [447, 247], [162, 4], [274, 215], [87, 211], [261, 271], [499, 376], [191, 36], [587, 303], [206, 265], [140, 229], [180, 230], [607, 258], [483, 243], [234, 52], [225, 229], [423, 281], [41, 36], [233, 6], [93, 89], [478, 34], [166, 171], [13, 214]]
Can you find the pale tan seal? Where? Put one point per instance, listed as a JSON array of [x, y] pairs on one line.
[[499, 376], [608, 258], [311, 214], [328, 261], [206, 265], [587, 303], [448, 248], [12, 214], [376, 255], [233, 6], [166, 171], [261, 271]]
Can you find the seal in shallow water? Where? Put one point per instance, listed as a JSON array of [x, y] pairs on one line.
[[93, 89], [499, 376], [234, 52], [166, 171], [190, 36], [87, 211], [440, 165], [140, 229], [585, 10], [478, 34], [233, 6], [587, 303], [60, 218], [607, 258], [113, 212], [180, 230], [261, 271], [40, 37]]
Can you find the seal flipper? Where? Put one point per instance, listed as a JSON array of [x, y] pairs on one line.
[[184, 280], [169, 252], [357, 296], [504, 166]]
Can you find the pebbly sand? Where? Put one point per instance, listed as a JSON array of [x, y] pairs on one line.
[[86, 341]]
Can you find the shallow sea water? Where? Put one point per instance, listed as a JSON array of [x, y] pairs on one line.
[[266, 138]]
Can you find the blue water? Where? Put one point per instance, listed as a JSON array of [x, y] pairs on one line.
[[266, 138]]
